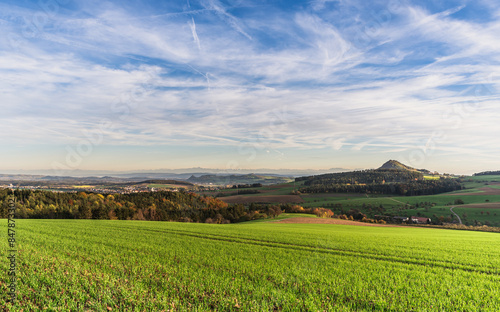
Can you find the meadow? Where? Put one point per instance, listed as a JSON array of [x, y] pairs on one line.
[[490, 178], [94, 265], [479, 190]]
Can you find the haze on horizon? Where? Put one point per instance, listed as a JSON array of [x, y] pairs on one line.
[[124, 85]]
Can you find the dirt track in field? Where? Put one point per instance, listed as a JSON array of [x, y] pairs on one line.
[[330, 221], [242, 199]]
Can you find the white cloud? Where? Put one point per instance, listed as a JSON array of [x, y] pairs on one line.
[[153, 81], [192, 25], [220, 10], [320, 4]]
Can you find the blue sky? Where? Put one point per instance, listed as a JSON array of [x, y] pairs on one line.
[[236, 84]]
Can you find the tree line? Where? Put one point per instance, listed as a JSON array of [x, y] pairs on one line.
[[415, 188], [487, 173], [380, 181], [378, 176], [154, 206]]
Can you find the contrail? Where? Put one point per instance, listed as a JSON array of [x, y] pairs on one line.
[[216, 6], [192, 25]]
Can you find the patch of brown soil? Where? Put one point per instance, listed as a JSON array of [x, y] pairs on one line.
[[277, 186], [282, 199], [483, 205], [328, 195], [272, 188], [330, 221], [484, 191]]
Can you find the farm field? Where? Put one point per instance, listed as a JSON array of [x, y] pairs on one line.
[[90, 265], [490, 178], [481, 199], [245, 199], [274, 189], [474, 205]]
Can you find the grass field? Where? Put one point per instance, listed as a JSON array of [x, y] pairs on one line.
[[85, 265], [478, 192], [491, 178]]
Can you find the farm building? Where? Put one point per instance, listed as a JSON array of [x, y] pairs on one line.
[[420, 220], [400, 219]]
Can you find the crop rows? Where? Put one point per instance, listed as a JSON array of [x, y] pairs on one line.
[[145, 266]]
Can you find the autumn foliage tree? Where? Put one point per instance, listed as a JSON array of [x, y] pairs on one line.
[[154, 206]]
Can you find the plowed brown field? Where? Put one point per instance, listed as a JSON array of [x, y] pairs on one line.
[[483, 205], [484, 191]]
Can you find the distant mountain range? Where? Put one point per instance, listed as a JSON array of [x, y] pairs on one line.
[[178, 174], [192, 175], [239, 179]]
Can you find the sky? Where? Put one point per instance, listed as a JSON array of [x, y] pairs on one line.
[[248, 84]]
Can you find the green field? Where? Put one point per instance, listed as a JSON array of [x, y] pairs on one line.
[[275, 189], [88, 265], [438, 205], [397, 206], [490, 178]]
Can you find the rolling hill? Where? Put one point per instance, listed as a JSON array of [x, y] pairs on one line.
[[396, 165]]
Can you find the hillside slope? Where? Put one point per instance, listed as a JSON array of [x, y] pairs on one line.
[[396, 165]]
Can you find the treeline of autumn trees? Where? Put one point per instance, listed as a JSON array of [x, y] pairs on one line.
[[155, 206]]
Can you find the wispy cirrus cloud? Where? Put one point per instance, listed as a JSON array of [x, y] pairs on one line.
[[192, 25], [380, 81]]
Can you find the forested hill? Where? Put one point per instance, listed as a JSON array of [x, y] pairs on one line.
[[239, 179], [396, 165], [487, 173], [377, 176], [379, 181]]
